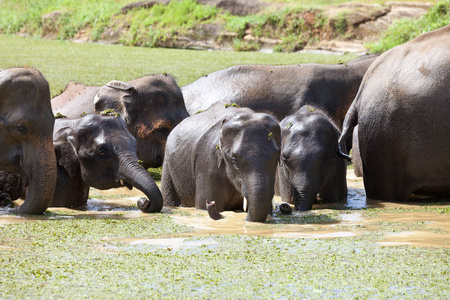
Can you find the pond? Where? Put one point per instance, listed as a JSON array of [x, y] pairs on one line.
[[324, 221]]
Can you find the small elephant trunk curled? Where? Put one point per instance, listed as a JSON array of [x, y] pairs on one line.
[[212, 211]]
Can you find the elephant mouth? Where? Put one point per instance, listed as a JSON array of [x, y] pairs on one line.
[[123, 183]]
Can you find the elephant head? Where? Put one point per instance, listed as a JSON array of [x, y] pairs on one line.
[[309, 164], [249, 146], [26, 127], [100, 152], [151, 107]]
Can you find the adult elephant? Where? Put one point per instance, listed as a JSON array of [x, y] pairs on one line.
[[93, 151], [151, 107], [281, 90], [309, 164], [26, 127], [402, 113], [223, 159]]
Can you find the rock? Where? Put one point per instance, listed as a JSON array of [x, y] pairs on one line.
[[142, 5], [372, 29], [354, 46], [237, 7], [51, 16]]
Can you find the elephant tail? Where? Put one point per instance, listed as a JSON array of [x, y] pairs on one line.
[[350, 121], [212, 211]]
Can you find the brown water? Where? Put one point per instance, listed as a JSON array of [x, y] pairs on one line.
[[351, 221]]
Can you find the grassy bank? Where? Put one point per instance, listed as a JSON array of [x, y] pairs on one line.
[[97, 64], [294, 26]]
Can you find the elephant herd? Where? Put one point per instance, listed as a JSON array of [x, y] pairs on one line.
[[232, 139]]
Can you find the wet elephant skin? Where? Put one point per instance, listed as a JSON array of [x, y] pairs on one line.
[[281, 90], [309, 164], [401, 111], [216, 158], [26, 127]]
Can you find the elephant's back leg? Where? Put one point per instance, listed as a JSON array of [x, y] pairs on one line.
[[168, 190]]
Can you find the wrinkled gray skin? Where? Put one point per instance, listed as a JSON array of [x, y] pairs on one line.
[[219, 157], [402, 113], [151, 107], [26, 127], [309, 164], [98, 151], [281, 90]]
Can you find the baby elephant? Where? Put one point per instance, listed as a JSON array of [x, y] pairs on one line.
[[98, 151], [309, 163], [223, 159], [92, 151]]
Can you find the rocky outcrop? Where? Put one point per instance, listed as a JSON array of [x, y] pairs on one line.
[[398, 10], [348, 26]]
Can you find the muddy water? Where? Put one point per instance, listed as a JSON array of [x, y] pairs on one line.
[[343, 222]]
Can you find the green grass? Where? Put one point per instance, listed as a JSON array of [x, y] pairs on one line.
[[97, 64], [405, 30]]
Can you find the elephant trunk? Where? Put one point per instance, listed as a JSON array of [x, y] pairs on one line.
[[39, 163], [134, 174], [212, 211], [303, 199], [259, 193]]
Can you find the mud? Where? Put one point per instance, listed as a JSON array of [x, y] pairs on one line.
[[410, 225]]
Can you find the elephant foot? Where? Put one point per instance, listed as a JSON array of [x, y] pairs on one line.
[[212, 211], [285, 209], [5, 200]]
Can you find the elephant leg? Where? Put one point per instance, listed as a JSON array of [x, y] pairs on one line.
[[335, 190], [5, 199], [387, 187], [168, 191]]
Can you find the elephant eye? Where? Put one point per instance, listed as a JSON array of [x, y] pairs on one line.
[[103, 153], [284, 160], [22, 129]]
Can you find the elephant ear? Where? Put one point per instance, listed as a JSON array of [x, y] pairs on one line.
[[219, 154], [108, 96], [66, 155]]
